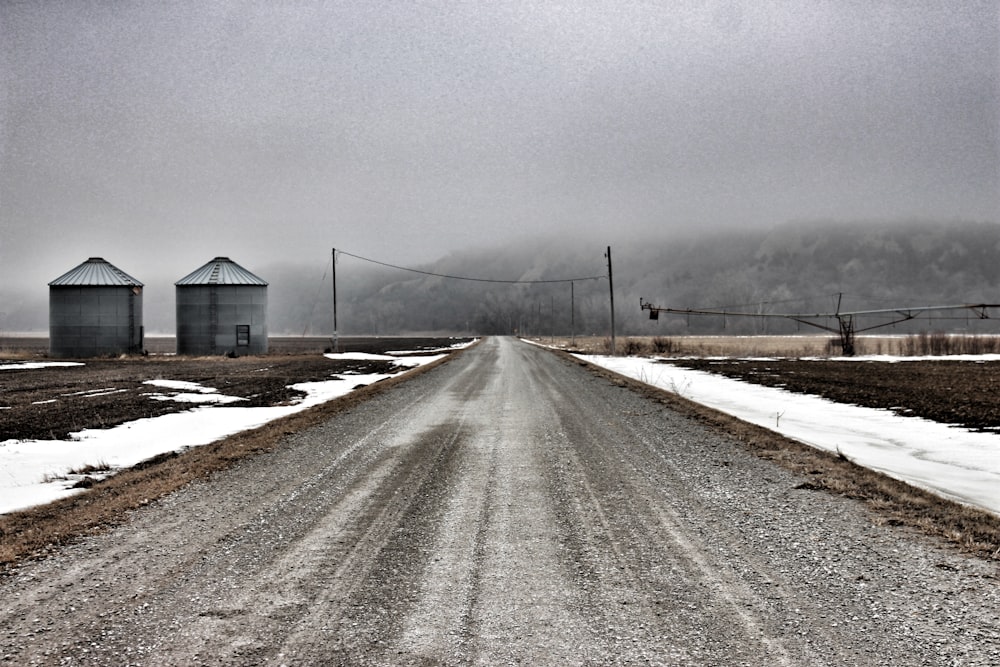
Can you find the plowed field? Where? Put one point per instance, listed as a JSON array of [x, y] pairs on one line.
[[964, 393], [51, 403]]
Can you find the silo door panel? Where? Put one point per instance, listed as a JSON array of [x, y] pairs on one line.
[[242, 335]]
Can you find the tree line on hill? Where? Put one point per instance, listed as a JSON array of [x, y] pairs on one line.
[[796, 267]]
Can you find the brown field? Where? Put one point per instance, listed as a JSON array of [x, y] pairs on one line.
[[31, 532], [53, 402], [964, 393]]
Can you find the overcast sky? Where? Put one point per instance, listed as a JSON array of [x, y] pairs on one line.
[[161, 134]]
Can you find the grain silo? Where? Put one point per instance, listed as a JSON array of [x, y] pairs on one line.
[[221, 309], [95, 310]]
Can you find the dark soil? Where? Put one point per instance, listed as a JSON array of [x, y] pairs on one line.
[[51, 403], [963, 393]]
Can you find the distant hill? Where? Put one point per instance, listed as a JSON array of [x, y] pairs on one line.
[[792, 267], [806, 267]]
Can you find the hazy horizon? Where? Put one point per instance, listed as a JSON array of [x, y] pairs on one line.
[[161, 135]]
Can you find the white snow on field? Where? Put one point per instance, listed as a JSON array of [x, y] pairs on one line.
[[189, 392], [28, 467], [30, 365], [182, 385], [360, 356], [951, 461], [397, 359], [979, 358], [405, 353], [406, 358], [97, 392]]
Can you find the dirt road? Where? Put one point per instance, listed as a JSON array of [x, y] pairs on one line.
[[506, 508]]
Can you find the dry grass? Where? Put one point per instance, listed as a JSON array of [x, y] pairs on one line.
[[889, 501], [17, 354], [697, 346], [779, 346], [33, 532]]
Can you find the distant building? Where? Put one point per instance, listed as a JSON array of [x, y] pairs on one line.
[[221, 309], [95, 310]]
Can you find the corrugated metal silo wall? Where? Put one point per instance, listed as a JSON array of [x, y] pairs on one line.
[[209, 318], [94, 321]]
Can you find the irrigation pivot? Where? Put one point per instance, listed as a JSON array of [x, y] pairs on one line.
[[847, 321]]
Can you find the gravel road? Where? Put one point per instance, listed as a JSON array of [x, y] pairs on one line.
[[509, 507]]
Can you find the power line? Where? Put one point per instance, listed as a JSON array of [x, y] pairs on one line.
[[761, 304], [478, 280]]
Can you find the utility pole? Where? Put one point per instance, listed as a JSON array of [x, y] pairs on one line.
[[611, 288], [552, 317], [336, 343], [572, 315]]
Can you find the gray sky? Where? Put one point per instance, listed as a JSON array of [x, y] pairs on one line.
[[161, 134]]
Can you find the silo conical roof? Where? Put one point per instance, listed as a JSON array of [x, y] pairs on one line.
[[96, 271], [221, 271]]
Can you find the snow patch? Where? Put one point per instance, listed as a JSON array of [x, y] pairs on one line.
[[30, 365], [33, 472]]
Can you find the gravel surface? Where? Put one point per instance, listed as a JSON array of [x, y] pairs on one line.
[[508, 507]]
